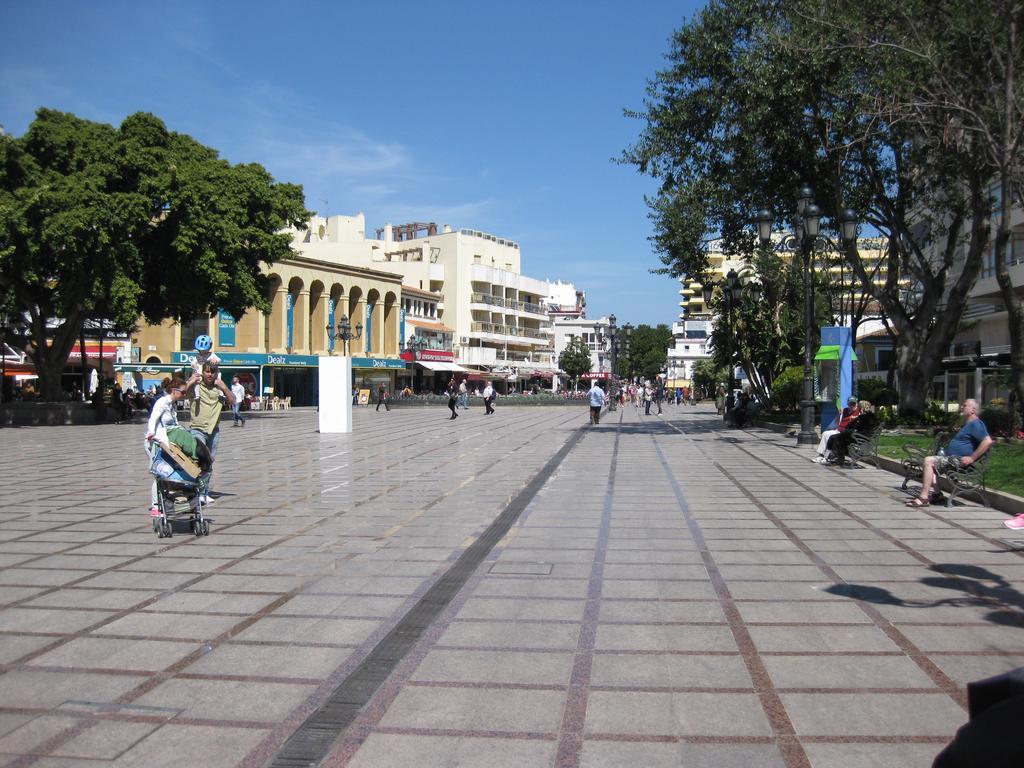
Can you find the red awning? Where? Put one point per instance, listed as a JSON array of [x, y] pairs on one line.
[[92, 349]]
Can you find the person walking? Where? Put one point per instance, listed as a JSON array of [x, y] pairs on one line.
[[209, 394], [453, 397], [382, 397], [659, 393], [236, 410], [163, 416], [648, 397], [463, 395], [596, 396], [489, 399]]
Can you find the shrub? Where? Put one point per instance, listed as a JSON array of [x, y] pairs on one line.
[[936, 415], [787, 389], [997, 420], [875, 392]]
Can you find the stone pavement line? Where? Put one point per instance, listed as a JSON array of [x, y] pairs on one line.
[[942, 681], [785, 734], [85, 723], [313, 739], [570, 742], [925, 510], [270, 746], [967, 585]]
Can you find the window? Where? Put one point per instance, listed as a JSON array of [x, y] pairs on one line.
[[190, 329]]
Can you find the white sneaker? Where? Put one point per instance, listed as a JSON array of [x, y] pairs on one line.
[[206, 499]]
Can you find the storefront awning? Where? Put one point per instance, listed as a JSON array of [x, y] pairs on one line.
[[432, 366]]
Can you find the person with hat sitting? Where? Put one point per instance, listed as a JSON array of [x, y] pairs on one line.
[[850, 412]]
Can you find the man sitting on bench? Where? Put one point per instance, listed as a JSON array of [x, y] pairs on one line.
[[966, 447]]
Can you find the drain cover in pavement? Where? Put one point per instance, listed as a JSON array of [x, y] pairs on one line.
[[522, 569]]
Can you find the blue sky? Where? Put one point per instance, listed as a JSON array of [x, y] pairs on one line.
[[502, 117]]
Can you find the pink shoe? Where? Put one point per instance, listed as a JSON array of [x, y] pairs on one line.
[[1015, 523], [154, 511]]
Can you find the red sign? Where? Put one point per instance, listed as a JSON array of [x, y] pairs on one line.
[[604, 375], [437, 355]]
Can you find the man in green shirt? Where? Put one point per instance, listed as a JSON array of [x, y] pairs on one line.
[[208, 396]]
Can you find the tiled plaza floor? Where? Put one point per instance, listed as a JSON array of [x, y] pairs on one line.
[[672, 594]]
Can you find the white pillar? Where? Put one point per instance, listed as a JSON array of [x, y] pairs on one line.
[[335, 375]]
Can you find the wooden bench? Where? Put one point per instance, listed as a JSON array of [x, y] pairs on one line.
[[864, 446]]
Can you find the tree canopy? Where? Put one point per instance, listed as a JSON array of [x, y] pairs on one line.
[[648, 350], [118, 223], [762, 95], [575, 359]]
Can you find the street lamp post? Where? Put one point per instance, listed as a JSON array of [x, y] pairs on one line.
[[416, 345], [731, 288], [807, 241], [345, 331]]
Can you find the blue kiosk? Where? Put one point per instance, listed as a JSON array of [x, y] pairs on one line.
[[834, 373]]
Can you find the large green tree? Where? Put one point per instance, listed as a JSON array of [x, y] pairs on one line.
[[118, 223], [967, 94], [575, 359], [760, 95], [648, 350]]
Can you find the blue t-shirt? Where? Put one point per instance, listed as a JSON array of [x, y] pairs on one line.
[[596, 396], [967, 439]]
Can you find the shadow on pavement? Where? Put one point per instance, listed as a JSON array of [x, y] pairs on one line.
[[980, 587]]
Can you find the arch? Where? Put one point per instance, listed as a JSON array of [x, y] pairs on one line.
[[390, 336], [375, 322], [275, 323], [317, 343], [154, 359]]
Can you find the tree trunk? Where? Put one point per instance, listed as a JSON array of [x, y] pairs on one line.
[[50, 359]]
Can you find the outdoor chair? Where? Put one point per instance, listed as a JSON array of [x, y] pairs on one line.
[[864, 446], [969, 480], [913, 462]]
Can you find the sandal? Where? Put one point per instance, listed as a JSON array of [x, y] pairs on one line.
[[917, 501]]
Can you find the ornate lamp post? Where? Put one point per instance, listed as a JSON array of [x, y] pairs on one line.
[[416, 345], [345, 332], [732, 289], [622, 345], [807, 241]]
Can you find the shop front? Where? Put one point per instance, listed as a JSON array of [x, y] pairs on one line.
[[368, 373], [432, 369], [281, 376]]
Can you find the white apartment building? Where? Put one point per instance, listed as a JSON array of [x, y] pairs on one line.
[[496, 314], [593, 332]]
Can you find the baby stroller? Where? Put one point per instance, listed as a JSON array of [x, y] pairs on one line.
[[180, 487]]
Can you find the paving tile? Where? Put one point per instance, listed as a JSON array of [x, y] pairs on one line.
[[473, 709], [845, 672], [667, 714], [873, 714], [870, 755], [669, 670], [228, 699], [599, 754], [457, 666], [400, 751]]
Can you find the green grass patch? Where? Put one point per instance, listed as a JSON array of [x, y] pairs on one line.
[[1005, 470]]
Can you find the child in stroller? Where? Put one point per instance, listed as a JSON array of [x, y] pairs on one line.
[[179, 463]]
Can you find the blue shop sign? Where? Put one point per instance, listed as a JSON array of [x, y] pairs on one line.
[[378, 362], [228, 359]]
